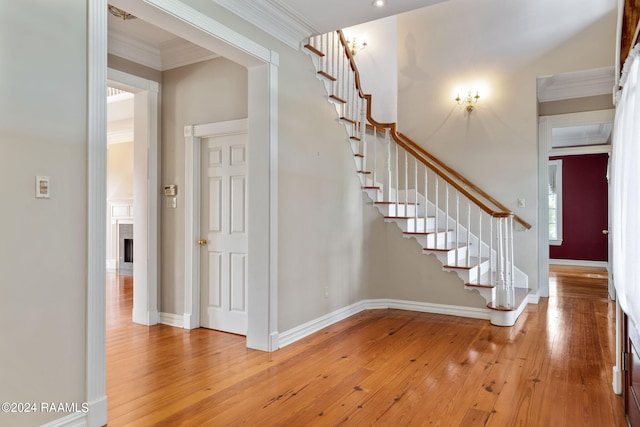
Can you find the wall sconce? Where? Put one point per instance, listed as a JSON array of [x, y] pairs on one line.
[[469, 101], [354, 46]]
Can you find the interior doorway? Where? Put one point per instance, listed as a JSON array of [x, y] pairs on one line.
[[143, 211], [575, 134]]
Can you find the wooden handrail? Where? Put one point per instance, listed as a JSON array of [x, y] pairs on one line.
[[426, 157]]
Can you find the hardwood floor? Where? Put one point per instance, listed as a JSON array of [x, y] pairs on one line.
[[379, 367]]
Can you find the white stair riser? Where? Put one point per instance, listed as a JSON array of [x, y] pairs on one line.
[[398, 209], [489, 294], [470, 275], [430, 241]]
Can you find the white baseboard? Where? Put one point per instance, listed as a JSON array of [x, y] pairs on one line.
[[96, 416], [171, 319], [71, 420], [533, 298], [308, 328], [578, 262], [301, 331]]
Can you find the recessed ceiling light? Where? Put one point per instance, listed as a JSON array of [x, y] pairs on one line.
[[378, 3]]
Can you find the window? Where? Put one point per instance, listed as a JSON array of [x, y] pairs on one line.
[[555, 202]]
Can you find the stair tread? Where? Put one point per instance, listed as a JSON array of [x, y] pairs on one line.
[[355, 138], [338, 99], [371, 188], [473, 261], [520, 295], [480, 285], [446, 248], [399, 204], [405, 217], [327, 75], [313, 49], [359, 155], [347, 119], [364, 172], [426, 233]]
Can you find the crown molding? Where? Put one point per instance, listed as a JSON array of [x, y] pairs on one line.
[[273, 17], [126, 47], [171, 54], [578, 84]]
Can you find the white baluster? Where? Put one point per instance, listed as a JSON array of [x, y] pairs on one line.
[[375, 154], [426, 197], [386, 190], [491, 258], [406, 184], [512, 269], [469, 235], [397, 176], [415, 186], [500, 255], [363, 138], [458, 225], [446, 215], [480, 238], [437, 178]]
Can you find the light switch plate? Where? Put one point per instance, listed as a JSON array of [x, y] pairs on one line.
[[43, 189]]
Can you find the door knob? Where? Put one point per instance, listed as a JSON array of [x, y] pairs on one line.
[[605, 231], [202, 242]]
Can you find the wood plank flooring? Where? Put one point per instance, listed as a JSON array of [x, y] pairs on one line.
[[379, 367]]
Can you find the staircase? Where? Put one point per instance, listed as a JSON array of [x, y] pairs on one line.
[[469, 232]]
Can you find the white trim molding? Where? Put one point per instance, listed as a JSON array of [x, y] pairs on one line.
[[146, 155], [579, 262], [171, 319], [545, 142], [178, 18], [71, 420], [273, 17], [96, 216], [577, 84]]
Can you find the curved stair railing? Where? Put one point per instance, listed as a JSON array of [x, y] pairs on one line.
[[470, 231]]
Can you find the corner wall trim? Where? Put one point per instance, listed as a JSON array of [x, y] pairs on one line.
[[170, 319], [308, 328]]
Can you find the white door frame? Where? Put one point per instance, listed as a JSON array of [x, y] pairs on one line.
[[146, 189], [262, 65], [546, 125]]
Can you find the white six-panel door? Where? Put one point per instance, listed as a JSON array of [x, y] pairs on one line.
[[223, 273]]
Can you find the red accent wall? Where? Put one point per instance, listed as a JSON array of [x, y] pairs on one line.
[[584, 208]]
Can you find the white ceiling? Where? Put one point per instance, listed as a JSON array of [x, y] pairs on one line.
[[579, 136], [291, 21]]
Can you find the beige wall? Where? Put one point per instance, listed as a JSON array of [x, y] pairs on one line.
[[499, 48], [43, 247], [575, 105]]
